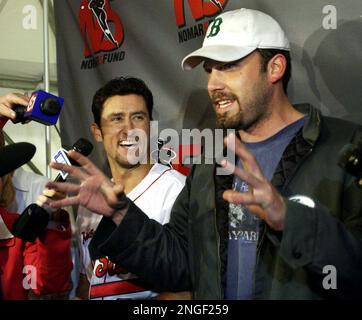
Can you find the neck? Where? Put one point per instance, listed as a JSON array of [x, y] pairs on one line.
[[282, 113], [130, 177]]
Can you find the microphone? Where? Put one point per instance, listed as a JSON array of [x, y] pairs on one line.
[[350, 159], [14, 156], [82, 146], [34, 219], [43, 107]]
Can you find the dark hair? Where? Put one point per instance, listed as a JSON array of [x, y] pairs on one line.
[[120, 87], [267, 54]]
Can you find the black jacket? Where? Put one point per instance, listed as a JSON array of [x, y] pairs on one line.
[[189, 253]]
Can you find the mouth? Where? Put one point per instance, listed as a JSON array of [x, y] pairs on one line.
[[222, 105], [127, 143]]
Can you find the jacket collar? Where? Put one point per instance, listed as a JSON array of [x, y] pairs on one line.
[[312, 126]]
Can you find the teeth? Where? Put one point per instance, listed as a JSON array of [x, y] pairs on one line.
[[127, 143], [224, 103]]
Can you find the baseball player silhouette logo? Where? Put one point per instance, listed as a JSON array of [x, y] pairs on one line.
[[101, 27], [97, 6]]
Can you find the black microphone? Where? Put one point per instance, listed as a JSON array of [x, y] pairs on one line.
[[34, 219], [83, 146], [14, 156]]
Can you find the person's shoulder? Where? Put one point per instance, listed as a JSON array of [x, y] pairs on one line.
[[174, 174], [340, 126], [169, 174], [23, 179], [339, 121], [339, 132]]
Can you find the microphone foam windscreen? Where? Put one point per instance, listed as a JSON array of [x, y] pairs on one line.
[[83, 146], [14, 156]]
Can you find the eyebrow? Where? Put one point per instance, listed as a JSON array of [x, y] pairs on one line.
[[115, 114]]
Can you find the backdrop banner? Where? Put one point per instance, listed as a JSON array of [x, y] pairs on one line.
[[98, 40]]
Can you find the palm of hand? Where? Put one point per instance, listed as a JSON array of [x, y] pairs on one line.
[[96, 194]]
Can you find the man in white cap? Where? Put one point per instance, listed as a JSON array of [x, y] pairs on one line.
[[286, 225]]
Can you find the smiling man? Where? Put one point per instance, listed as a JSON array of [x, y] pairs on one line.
[[122, 110]]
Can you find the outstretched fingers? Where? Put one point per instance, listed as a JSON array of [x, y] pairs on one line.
[[243, 174], [64, 187], [75, 172], [86, 164], [247, 158], [65, 202], [115, 195]]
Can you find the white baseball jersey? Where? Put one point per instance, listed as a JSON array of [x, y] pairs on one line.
[[155, 196]]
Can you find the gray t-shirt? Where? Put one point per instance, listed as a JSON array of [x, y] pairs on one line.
[[243, 225]]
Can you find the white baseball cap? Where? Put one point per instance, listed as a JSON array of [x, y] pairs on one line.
[[234, 34]]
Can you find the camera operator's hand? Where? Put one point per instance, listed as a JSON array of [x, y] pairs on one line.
[[8, 101], [59, 218]]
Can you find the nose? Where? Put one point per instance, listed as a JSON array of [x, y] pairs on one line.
[[125, 126], [215, 81]]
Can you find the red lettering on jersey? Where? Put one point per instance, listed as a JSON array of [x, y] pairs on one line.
[[113, 269], [101, 268], [106, 266], [87, 235]]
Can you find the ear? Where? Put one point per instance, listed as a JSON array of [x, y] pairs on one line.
[[97, 132], [276, 67]]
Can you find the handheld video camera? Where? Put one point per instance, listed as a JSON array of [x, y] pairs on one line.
[[43, 107], [350, 159], [34, 219]]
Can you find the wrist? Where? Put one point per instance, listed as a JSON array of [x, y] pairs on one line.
[[119, 214]]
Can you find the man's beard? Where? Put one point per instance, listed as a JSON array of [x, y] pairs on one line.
[[223, 121], [134, 157], [255, 111]]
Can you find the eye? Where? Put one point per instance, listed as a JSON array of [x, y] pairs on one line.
[[228, 66], [139, 117], [221, 66], [207, 68], [116, 118]]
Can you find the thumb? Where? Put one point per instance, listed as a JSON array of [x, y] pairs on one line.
[[118, 190]]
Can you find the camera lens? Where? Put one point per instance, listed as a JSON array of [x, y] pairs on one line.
[[50, 106]]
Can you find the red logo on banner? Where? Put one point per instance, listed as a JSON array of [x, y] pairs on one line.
[[100, 25], [199, 9]]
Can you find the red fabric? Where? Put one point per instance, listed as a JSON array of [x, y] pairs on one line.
[[49, 255], [115, 288]]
